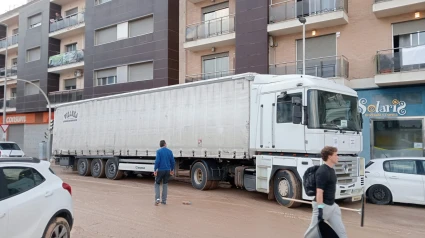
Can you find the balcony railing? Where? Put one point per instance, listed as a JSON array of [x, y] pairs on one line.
[[289, 10], [205, 76], [378, 1], [68, 21], [400, 59], [325, 67], [66, 58], [8, 41], [10, 103], [66, 96], [13, 71], [211, 28]]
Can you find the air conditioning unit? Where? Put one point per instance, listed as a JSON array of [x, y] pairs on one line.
[[78, 73]]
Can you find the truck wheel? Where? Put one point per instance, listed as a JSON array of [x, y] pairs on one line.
[[111, 170], [286, 185], [98, 168], [199, 177], [379, 194], [84, 167]]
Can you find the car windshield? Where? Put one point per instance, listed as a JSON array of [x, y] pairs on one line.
[[9, 146], [329, 110]]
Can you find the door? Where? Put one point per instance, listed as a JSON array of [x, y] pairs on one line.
[[27, 200], [289, 137], [405, 180], [266, 121], [4, 193], [400, 137], [214, 66], [216, 20]]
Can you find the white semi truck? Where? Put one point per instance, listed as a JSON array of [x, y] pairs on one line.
[[257, 132]]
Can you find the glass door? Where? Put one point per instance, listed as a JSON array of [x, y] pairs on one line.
[[214, 66], [400, 137], [216, 22]]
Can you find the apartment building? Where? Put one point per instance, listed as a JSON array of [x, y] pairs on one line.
[[377, 47], [81, 49]]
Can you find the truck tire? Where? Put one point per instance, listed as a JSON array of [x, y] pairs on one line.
[[84, 167], [98, 168], [199, 177], [111, 170], [287, 185]]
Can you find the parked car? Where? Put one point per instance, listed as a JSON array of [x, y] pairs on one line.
[[34, 202], [10, 149], [400, 180]]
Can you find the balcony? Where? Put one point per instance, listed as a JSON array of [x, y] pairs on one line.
[[283, 16], [206, 76], [10, 104], [196, 1], [66, 96], [10, 42], [69, 26], [213, 33], [336, 67], [400, 66], [11, 72], [66, 61], [388, 8]]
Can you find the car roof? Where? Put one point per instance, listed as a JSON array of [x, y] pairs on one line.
[[7, 142], [26, 160], [398, 158]]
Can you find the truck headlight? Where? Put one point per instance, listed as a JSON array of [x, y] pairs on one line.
[[361, 166]]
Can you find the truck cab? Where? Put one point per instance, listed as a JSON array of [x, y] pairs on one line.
[[293, 117]]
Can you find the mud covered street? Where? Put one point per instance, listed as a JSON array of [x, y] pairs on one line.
[[124, 208]]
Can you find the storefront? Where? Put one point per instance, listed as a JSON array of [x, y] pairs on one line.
[[27, 130], [393, 122]]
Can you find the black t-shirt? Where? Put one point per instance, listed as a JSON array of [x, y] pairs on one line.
[[326, 180]]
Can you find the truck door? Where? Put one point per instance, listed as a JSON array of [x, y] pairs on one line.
[[266, 119], [289, 136]]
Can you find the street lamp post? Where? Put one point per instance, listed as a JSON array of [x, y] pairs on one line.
[[5, 84], [50, 114], [303, 21]]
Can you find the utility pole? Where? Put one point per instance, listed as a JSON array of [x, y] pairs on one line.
[[5, 84], [303, 21]]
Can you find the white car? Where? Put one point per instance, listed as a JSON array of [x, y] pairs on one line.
[[400, 180], [34, 202], [10, 149]]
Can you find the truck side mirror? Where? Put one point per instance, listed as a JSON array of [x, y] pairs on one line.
[[296, 110], [361, 120]]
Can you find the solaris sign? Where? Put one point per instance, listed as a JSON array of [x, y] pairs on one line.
[[397, 108]]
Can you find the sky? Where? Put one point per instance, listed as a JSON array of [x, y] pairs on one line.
[[5, 5]]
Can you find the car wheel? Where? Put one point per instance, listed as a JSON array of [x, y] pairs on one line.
[[58, 228], [380, 195], [286, 185]]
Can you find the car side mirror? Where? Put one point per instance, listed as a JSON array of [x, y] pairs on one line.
[[296, 110]]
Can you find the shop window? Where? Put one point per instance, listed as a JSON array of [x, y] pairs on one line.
[[397, 138]]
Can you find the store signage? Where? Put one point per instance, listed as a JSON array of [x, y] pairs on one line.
[[70, 116], [397, 108], [16, 119]]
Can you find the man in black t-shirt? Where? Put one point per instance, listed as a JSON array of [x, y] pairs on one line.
[[324, 206]]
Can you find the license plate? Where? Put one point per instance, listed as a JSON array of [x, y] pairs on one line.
[[356, 198]]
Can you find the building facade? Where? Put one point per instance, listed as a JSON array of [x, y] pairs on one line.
[[80, 49], [374, 46]]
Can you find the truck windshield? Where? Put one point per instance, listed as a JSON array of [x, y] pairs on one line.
[[329, 110]]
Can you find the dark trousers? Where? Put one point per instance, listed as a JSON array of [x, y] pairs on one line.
[[162, 176]]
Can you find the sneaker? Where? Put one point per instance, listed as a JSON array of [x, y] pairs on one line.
[[164, 203], [157, 202]]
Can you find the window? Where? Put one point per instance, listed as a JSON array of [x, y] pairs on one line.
[[401, 166], [122, 31], [15, 31], [34, 21], [142, 71], [106, 35], [284, 108], [214, 66], [71, 12], [14, 61], [140, 26], [71, 47], [30, 89], [33, 54], [98, 2], [9, 146], [106, 77], [216, 19], [70, 84], [13, 93], [18, 180]]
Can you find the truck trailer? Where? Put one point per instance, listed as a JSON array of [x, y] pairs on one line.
[[257, 132]]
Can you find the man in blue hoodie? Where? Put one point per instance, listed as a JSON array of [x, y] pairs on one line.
[[164, 168]]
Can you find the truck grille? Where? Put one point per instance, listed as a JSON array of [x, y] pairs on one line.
[[346, 171]]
